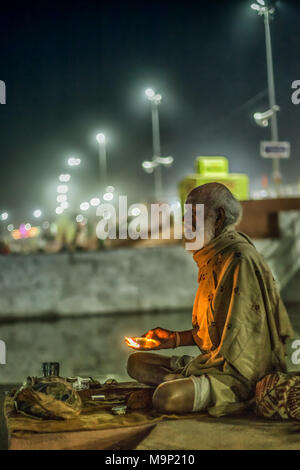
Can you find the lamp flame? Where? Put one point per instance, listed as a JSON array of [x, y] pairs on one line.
[[144, 343]]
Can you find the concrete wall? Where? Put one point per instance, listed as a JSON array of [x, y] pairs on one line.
[[124, 280]]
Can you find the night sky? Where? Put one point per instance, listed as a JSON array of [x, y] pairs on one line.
[[74, 69]]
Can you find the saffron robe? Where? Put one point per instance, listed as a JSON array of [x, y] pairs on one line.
[[239, 321]]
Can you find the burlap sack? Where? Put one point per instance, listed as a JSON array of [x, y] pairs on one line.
[[48, 398]]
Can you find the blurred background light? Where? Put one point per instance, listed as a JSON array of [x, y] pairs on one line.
[[37, 213], [74, 161], [110, 189], [149, 93], [79, 218], [64, 178], [84, 206], [62, 188], [100, 138], [135, 211], [95, 201], [62, 198], [108, 196]]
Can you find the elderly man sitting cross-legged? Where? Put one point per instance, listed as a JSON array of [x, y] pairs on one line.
[[239, 322]]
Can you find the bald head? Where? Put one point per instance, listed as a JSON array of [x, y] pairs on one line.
[[221, 208], [215, 196]]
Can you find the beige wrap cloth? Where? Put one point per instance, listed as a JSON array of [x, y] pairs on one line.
[[239, 321]]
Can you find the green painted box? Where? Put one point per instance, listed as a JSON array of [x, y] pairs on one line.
[[237, 183], [211, 165], [215, 170]]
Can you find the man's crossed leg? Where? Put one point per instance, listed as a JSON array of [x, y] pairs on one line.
[[174, 393]]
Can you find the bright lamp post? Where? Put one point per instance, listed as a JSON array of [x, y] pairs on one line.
[[264, 9], [102, 158], [157, 160], [155, 100]]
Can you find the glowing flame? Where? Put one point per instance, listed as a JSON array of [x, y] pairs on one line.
[[145, 343]]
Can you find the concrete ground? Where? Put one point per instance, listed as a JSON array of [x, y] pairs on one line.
[[204, 433], [227, 433]]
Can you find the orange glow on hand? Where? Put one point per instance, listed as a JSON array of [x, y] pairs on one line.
[[144, 343]]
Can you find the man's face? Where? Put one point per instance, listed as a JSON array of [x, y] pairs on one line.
[[193, 223]]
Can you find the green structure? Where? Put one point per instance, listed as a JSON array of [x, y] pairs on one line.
[[215, 169]]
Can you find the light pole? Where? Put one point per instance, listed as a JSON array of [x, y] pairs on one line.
[[4, 216], [155, 100], [264, 9], [102, 159]]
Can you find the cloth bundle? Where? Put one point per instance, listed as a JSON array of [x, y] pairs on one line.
[[278, 396], [48, 398]]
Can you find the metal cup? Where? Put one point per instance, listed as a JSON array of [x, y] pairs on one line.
[[50, 369], [54, 369]]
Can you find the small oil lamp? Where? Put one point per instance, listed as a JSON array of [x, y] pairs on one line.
[[141, 343]]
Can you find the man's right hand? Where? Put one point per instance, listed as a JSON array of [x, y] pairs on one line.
[[166, 338]]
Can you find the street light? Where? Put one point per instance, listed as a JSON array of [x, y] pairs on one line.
[[79, 218], [157, 160], [150, 166], [254, 6], [62, 189], [4, 216], [61, 198], [65, 178], [262, 119], [37, 213], [102, 158], [74, 161], [100, 138], [95, 201], [108, 196], [84, 206], [263, 9]]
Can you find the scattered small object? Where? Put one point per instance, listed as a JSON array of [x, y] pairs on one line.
[[110, 382], [72, 379], [50, 369], [94, 383], [81, 383], [98, 397], [119, 410]]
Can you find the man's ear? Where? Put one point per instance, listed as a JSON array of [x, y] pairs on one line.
[[220, 221]]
